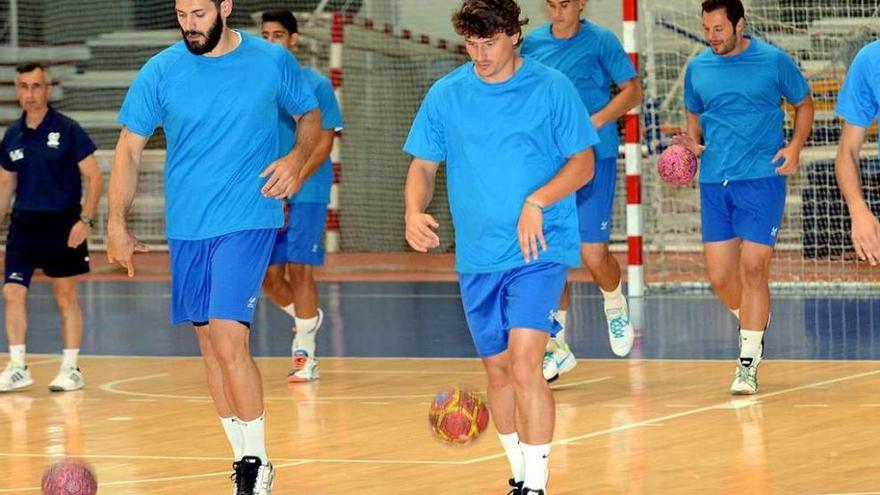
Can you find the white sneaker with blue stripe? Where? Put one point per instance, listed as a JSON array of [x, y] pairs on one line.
[[620, 330], [558, 360]]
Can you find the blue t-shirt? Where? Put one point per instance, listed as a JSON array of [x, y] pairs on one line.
[[46, 162], [317, 188], [593, 59], [501, 142], [214, 112], [859, 100], [739, 101]]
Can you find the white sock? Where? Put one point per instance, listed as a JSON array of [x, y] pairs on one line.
[[735, 313], [234, 435], [17, 354], [254, 433], [512, 448], [561, 318], [289, 310], [68, 358], [306, 328], [613, 299], [750, 343], [537, 461]]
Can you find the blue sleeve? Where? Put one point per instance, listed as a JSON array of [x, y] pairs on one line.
[[83, 146], [141, 110], [615, 61], [857, 103], [426, 137], [5, 162], [572, 128], [692, 100], [792, 82], [331, 115], [294, 92]]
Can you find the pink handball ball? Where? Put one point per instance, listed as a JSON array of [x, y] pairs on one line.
[[69, 477], [677, 165]]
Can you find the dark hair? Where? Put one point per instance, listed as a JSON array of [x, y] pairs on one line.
[[30, 67], [733, 8], [486, 18], [283, 17]]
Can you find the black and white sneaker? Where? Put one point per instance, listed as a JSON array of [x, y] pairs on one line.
[[529, 491], [15, 377], [67, 380], [515, 487], [252, 477]]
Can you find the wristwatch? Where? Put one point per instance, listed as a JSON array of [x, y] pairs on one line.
[[87, 220]]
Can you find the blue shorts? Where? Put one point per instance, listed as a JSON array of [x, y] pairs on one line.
[[747, 209], [524, 297], [220, 277], [595, 203], [302, 242]]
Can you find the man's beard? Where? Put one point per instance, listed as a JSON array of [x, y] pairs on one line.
[[211, 41]]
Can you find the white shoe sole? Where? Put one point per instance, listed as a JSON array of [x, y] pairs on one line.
[[18, 387], [59, 388]]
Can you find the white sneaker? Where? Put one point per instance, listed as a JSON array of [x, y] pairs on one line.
[[620, 330], [15, 377], [558, 360], [745, 379], [67, 380], [305, 368], [252, 477]]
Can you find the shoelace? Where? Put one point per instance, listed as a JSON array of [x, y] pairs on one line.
[[299, 360], [234, 475], [618, 327], [548, 356], [746, 374], [516, 488]]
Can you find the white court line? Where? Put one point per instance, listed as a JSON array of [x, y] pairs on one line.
[[683, 414], [226, 458], [110, 387], [105, 484]]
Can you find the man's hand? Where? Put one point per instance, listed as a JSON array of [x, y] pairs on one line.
[[121, 246], [866, 236], [689, 143], [420, 232], [792, 157], [283, 179], [530, 231], [78, 234]]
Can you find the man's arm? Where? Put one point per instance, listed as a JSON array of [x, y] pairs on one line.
[[8, 181], [283, 173], [693, 134], [419, 192], [803, 127], [629, 97], [865, 227], [91, 173], [575, 174], [121, 245], [319, 155]]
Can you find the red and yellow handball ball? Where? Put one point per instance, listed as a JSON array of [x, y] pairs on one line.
[[458, 416]]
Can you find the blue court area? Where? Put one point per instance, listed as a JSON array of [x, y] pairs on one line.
[[419, 319]]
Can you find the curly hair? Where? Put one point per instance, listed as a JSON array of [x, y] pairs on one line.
[[486, 18]]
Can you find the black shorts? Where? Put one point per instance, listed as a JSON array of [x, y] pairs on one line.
[[38, 239]]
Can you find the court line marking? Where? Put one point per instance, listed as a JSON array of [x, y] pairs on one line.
[[226, 458], [683, 414], [325, 359], [110, 387], [105, 484]]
